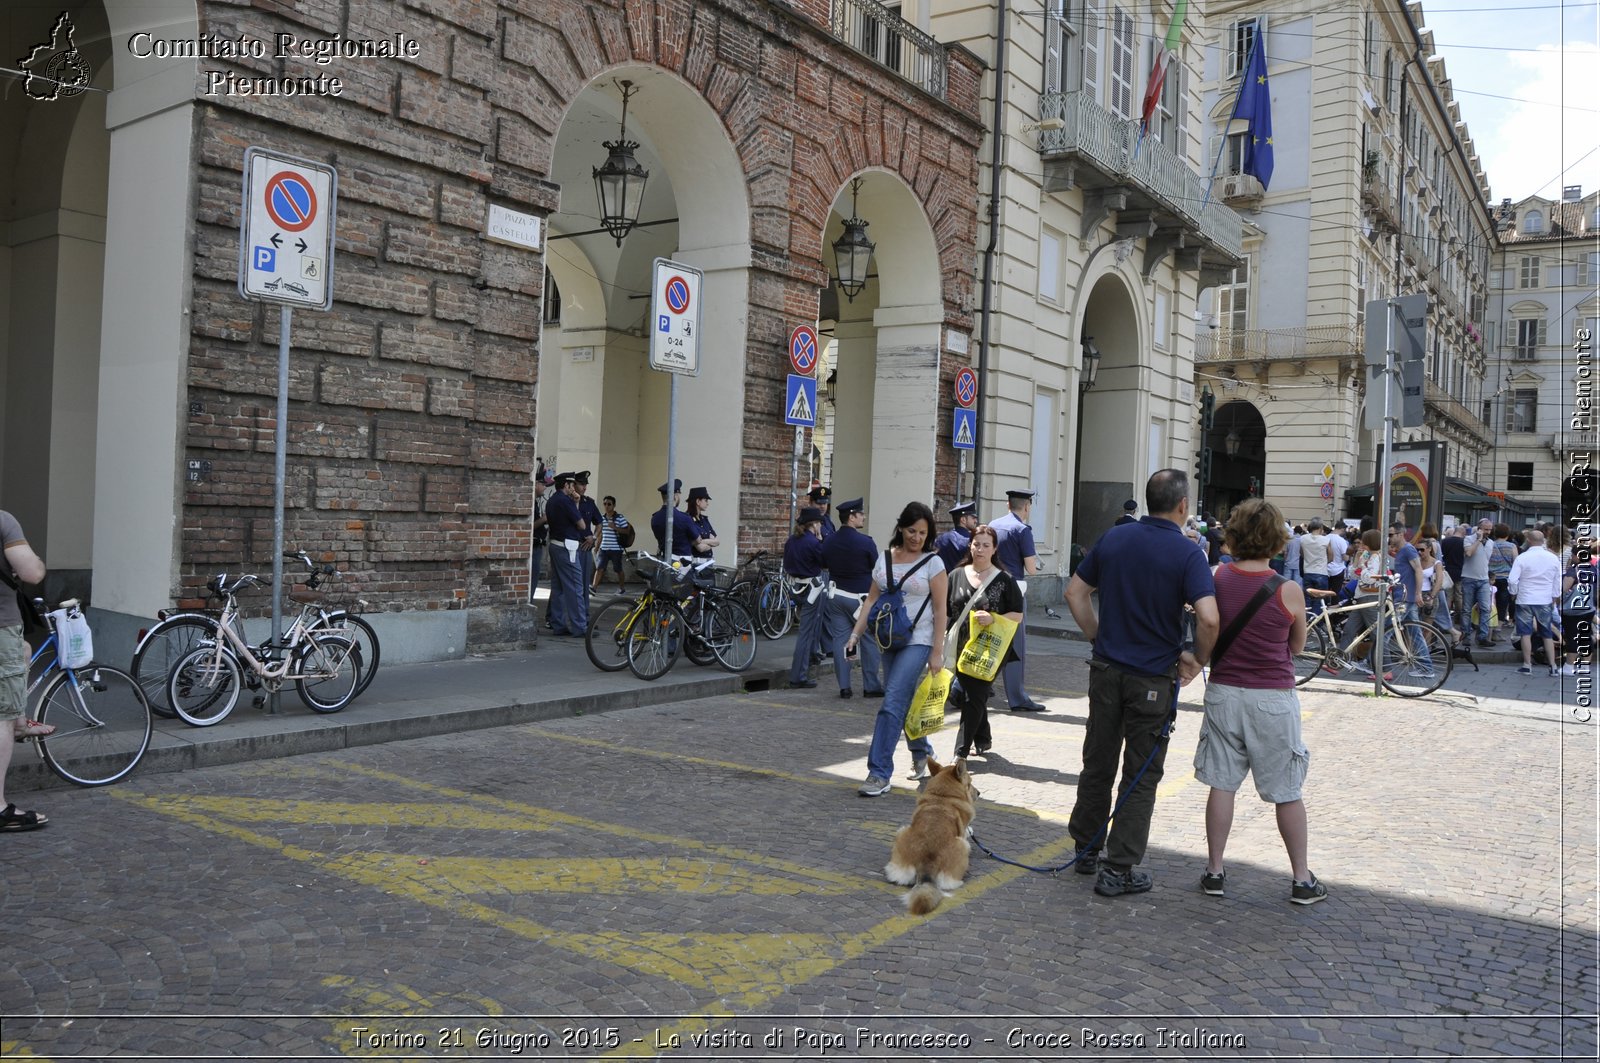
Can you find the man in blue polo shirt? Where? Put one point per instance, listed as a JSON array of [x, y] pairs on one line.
[[1145, 573], [1014, 551]]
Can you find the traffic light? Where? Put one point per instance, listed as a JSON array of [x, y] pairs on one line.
[[1208, 409], [1202, 467], [1255, 486]]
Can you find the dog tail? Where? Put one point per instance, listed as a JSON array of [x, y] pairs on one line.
[[923, 898]]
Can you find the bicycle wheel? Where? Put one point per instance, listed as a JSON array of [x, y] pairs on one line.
[[327, 672], [732, 635], [606, 639], [1411, 670], [1309, 661], [204, 685], [654, 640], [102, 723], [161, 648], [772, 613], [695, 647], [348, 625]]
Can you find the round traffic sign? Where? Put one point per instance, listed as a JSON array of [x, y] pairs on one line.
[[803, 349], [677, 294], [291, 202], [966, 388], [1327, 491]]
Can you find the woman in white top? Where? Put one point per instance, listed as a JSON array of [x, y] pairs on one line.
[[920, 576]]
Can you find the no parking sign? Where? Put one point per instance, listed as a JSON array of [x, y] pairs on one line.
[[286, 226]]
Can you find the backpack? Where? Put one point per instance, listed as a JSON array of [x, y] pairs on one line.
[[623, 532], [888, 623]]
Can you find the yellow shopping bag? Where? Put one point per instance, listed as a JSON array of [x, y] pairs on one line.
[[926, 714], [986, 647]]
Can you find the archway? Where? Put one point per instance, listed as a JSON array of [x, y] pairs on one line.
[[1111, 439], [879, 438], [600, 406], [1238, 442]]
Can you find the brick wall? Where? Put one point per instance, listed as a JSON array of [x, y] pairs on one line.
[[411, 402]]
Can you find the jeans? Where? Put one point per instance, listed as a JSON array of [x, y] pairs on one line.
[[1476, 592], [1124, 718], [1503, 600], [903, 669], [808, 638], [1315, 581], [1412, 619], [1292, 574], [838, 618]]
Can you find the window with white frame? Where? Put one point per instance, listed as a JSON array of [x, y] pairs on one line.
[[1588, 269], [1050, 245], [1163, 322], [1042, 473], [1120, 83], [1531, 334], [1233, 301], [1533, 222], [1388, 79], [1522, 410], [1059, 45], [1371, 48], [1529, 276], [1241, 39], [1167, 123]]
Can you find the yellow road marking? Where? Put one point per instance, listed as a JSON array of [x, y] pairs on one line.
[[18, 1050], [594, 875], [372, 999], [353, 814]]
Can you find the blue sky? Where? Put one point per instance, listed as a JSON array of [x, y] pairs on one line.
[[1545, 54]]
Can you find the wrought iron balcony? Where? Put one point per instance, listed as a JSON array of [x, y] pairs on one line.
[[889, 40], [1271, 345], [1439, 401], [1154, 192], [1379, 201]]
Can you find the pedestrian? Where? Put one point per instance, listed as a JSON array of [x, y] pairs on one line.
[[1130, 514], [802, 564], [952, 545], [1453, 552], [1138, 662], [821, 497], [1408, 566], [849, 555], [1015, 552], [1502, 555], [1291, 555], [614, 528], [917, 573], [1314, 556], [539, 539], [1435, 603], [705, 536], [591, 519], [1535, 580], [21, 565], [569, 606], [683, 530], [1252, 714], [1477, 591], [992, 592], [1367, 596], [1338, 548]]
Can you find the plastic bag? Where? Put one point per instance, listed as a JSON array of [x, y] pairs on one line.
[[986, 647], [926, 714], [74, 640]]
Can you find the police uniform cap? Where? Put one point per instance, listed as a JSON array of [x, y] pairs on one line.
[[677, 485], [581, 477], [1129, 506], [820, 494], [855, 505], [810, 515], [962, 509], [699, 492], [563, 478], [1020, 494]]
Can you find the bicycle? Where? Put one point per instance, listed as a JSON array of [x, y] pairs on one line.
[[179, 631], [204, 685], [714, 621], [100, 715], [605, 640], [1415, 660]]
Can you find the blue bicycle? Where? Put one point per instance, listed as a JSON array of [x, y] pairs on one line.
[[100, 716]]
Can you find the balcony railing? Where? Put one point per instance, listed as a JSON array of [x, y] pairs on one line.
[[1380, 200], [1449, 406], [1106, 142], [1261, 345], [889, 40]]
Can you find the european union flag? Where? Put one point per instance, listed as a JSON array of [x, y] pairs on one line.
[[1255, 108]]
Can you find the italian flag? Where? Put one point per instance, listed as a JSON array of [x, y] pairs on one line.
[[1165, 56]]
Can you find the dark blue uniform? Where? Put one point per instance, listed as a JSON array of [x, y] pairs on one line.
[[683, 532], [569, 609], [802, 560], [591, 515], [849, 556], [702, 530], [1014, 543], [952, 546]]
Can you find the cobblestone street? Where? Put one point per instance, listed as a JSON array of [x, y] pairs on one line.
[[700, 879]]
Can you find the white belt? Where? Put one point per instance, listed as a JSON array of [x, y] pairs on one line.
[[835, 592], [571, 546]]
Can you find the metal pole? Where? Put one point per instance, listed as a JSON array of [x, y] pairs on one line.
[[794, 474], [280, 464], [672, 443], [1389, 371]]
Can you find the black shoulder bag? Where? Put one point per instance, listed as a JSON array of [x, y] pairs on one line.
[[31, 620], [1225, 639]]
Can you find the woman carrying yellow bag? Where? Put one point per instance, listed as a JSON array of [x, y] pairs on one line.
[[988, 593]]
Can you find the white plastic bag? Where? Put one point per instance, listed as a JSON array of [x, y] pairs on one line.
[[74, 640]]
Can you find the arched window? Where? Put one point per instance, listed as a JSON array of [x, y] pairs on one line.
[[1533, 222]]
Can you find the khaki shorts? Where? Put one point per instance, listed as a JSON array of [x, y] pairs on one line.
[[13, 673], [1254, 731]]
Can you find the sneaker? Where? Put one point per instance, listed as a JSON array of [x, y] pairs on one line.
[[1525, 670], [1567, 669], [1212, 884], [874, 786], [1421, 673], [1088, 862], [1308, 892], [919, 768], [983, 751], [1114, 883]]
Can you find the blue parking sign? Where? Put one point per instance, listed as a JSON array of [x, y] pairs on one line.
[[266, 259], [663, 323]]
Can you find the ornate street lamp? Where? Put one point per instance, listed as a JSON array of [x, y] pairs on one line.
[[619, 183], [1230, 443], [1091, 364], [852, 252]]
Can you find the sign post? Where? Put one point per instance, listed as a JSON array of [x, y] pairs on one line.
[[675, 349], [964, 422], [804, 351], [286, 227]]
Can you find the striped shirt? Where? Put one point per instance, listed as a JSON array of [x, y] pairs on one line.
[[608, 531]]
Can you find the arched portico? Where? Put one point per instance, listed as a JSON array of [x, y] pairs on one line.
[[1111, 437], [1238, 442]]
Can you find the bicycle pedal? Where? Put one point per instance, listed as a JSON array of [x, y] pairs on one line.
[[259, 701]]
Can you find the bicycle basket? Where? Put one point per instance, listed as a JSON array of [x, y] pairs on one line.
[[722, 579], [669, 581]]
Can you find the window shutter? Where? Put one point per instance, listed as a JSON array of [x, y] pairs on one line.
[[1179, 75], [1122, 55], [1091, 49], [1054, 40]]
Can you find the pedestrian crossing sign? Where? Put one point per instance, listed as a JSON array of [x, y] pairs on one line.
[[964, 432], [800, 401]]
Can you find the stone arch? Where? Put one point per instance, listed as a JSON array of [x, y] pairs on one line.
[[1112, 445], [1238, 442]]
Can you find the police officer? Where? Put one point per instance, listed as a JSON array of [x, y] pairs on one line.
[[1015, 552], [802, 563], [952, 545], [820, 498], [848, 555], [683, 532], [1130, 514], [591, 517], [569, 609], [705, 536]]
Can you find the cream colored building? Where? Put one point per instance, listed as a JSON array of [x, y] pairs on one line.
[[1377, 191], [1544, 294]]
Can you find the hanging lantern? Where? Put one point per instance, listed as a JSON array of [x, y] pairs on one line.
[[619, 183], [852, 252]]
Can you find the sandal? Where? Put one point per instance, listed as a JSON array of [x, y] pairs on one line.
[[34, 729], [12, 820]]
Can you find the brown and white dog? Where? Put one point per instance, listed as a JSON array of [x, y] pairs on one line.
[[930, 854]]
